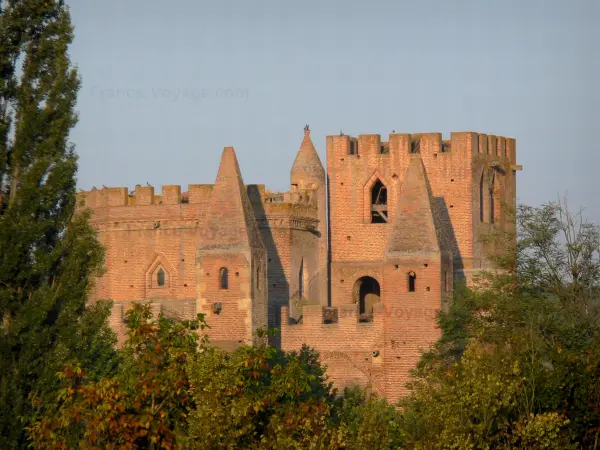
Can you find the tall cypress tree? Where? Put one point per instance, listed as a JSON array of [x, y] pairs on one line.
[[49, 254]]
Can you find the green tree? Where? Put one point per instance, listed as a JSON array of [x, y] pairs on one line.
[[145, 405], [261, 397], [366, 421], [48, 254], [539, 316]]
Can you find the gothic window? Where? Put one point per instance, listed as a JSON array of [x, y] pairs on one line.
[[379, 208], [160, 277], [224, 278], [412, 281]]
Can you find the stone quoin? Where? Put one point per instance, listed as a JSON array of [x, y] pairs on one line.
[[354, 260]]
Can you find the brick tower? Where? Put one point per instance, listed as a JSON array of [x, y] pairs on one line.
[[307, 179], [232, 263], [417, 273]]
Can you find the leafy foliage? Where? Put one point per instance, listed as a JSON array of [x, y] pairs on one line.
[[145, 405], [519, 361], [368, 422], [260, 397], [48, 255]]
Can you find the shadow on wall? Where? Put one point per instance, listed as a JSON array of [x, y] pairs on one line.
[[328, 218], [279, 289], [448, 237]]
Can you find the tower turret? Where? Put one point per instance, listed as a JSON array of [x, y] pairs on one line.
[[308, 181], [232, 262], [307, 168], [414, 276]]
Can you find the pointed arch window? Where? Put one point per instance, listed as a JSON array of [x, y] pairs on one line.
[[379, 206], [160, 277], [224, 278]]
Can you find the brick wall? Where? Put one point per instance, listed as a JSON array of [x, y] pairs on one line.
[[470, 179], [454, 171], [352, 351]]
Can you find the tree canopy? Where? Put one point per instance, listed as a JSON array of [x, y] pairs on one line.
[[48, 254]]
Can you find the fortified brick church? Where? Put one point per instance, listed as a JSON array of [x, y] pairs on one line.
[[354, 260]]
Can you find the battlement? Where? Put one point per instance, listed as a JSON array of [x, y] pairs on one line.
[[345, 315], [144, 196], [340, 338], [291, 204], [196, 193], [366, 145]]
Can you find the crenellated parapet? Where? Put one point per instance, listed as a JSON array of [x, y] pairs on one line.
[[285, 209], [460, 143], [352, 350], [344, 316], [145, 196]]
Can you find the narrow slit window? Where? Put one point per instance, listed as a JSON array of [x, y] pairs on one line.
[[301, 280], [412, 281], [160, 277], [481, 197], [379, 206], [352, 150], [258, 277], [224, 278], [415, 144], [492, 198]]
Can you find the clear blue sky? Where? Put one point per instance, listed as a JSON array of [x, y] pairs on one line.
[[168, 84]]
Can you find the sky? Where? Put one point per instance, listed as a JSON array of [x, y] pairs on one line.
[[167, 84]]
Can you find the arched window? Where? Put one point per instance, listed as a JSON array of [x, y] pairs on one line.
[[481, 194], [412, 281], [366, 294], [160, 277], [301, 280], [224, 278], [379, 208]]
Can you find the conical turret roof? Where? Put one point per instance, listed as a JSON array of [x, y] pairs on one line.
[[307, 164]]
